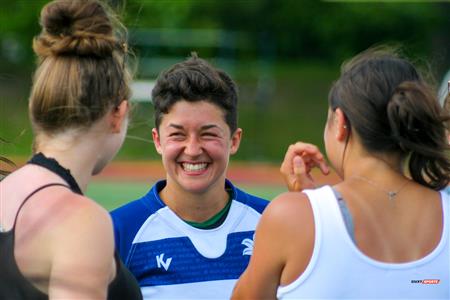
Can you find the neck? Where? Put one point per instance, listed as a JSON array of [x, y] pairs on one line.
[[369, 177], [76, 153], [371, 166], [358, 161], [195, 207]]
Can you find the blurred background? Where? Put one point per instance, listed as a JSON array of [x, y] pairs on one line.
[[283, 54]]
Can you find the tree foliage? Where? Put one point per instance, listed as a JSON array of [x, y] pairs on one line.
[[287, 29]]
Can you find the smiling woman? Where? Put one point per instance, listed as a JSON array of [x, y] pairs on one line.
[[195, 212], [195, 133], [194, 142]]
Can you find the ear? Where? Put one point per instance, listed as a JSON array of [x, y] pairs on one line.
[[118, 116], [341, 125], [235, 141], [156, 140]]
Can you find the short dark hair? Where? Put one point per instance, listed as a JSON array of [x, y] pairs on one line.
[[392, 109], [195, 80]]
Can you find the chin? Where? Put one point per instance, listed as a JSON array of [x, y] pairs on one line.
[[201, 186], [190, 185], [195, 188]]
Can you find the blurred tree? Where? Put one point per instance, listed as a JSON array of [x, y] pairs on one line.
[[286, 53], [307, 29], [18, 24]]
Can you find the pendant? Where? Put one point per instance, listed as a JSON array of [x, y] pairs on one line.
[[392, 195]]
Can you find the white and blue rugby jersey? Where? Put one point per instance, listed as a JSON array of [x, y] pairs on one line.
[[173, 260]]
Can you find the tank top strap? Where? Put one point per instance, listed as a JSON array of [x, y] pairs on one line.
[[31, 194]]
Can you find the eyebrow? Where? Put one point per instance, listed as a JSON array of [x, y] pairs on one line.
[[175, 126], [204, 127]]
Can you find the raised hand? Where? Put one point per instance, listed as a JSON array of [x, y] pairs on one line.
[[299, 160]]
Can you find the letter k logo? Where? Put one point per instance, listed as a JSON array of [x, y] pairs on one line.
[[160, 261]]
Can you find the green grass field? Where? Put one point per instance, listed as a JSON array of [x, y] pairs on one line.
[[113, 194]]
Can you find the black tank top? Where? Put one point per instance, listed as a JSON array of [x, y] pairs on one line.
[[14, 285]]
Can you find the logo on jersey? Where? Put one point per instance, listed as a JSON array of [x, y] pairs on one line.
[[161, 263], [248, 243]]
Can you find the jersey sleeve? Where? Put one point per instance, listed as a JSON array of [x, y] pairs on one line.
[[127, 220]]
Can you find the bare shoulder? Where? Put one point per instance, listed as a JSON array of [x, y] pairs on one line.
[[283, 246], [82, 249], [49, 201], [60, 217], [289, 208], [295, 231], [289, 216], [87, 235], [73, 235], [80, 214]]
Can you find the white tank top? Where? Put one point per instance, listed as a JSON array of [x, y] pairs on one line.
[[339, 270]]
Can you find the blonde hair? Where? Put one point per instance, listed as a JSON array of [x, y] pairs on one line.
[[82, 71]]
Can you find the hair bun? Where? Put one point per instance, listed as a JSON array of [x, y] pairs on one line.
[[81, 27]]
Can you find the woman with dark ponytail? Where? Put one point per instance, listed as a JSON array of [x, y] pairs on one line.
[[384, 230], [55, 243]]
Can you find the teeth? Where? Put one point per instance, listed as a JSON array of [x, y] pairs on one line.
[[194, 167]]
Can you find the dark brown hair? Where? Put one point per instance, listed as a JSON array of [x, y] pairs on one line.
[[393, 110], [447, 108], [195, 80], [81, 70]]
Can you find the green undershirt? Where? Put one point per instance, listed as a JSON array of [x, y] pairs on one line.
[[214, 221]]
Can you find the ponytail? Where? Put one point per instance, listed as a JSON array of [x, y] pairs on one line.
[[392, 110], [417, 125]]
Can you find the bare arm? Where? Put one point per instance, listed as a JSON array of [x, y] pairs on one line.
[[284, 241], [82, 254]]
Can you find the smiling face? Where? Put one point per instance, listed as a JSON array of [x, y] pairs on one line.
[[195, 144]]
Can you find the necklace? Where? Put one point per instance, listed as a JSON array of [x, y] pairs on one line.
[[390, 194]]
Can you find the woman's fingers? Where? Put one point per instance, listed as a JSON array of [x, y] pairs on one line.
[[315, 159], [302, 179], [299, 160]]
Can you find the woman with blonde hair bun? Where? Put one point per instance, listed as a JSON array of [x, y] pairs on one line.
[[55, 242]]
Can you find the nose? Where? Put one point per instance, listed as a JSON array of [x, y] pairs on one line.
[[193, 147]]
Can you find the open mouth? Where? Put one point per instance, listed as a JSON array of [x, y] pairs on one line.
[[194, 167]]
